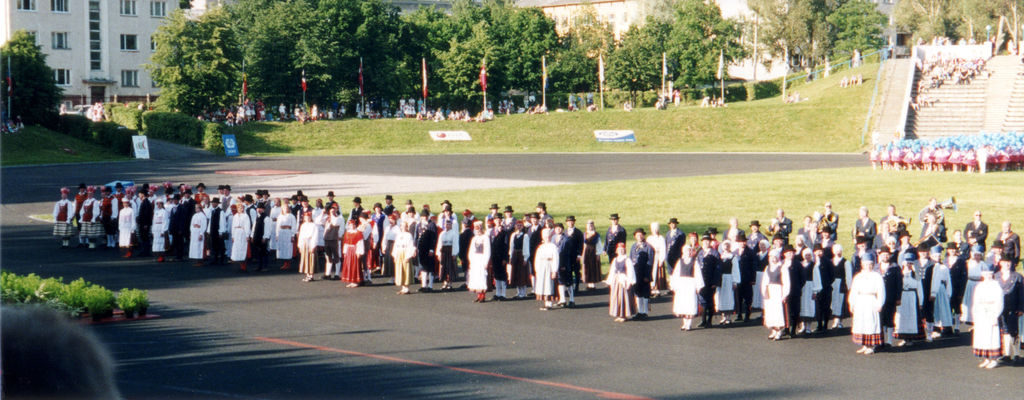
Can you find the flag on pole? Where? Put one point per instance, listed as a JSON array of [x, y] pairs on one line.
[[664, 65], [721, 64], [303, 80], [10, 82], [483, 75], [424, 77], [544, 71], [361, 91], [245, 86], [600, 67]]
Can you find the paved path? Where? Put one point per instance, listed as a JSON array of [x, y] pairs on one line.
[[33, 184]]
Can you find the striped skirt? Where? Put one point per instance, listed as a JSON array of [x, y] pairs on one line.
[[870, 340], [63, 229]]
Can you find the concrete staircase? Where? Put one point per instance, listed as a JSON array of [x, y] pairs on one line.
[[958, 109], [1013, 120], [1005, 73], [891, 104]]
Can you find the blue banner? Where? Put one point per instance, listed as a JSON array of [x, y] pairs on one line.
[[230, 145]]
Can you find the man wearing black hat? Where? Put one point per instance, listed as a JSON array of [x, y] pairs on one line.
[[675, 238], [181, 217], [216, 230], [642, 256], [426, 246], [535, 237], [330, 201], [755, 237], [748, 262], [542, 212], [616, 234], [575, 237], [357, 209], [144, 222], [389, 206], [892, 277], [708, 260], [823, 268], [492, 216]]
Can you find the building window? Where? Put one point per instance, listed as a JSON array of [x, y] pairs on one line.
[[129, 42], [95, 37], [158, 9], [127, 7], [62, 76], [26, 5], [35, 38], [152, 44], [60, 40], [130, 78], [60, 6]]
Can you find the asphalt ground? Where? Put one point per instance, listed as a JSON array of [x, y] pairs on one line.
[[227, 335]]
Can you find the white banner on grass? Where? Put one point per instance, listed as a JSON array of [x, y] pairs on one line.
[[140, 146], [614, 136], [449, 135]]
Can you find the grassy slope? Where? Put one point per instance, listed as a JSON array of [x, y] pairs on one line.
[[700, 202], [38, 145], [831, 121]]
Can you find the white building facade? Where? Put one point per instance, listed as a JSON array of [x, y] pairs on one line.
[[98, 49]]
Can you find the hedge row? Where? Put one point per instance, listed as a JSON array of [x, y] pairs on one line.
[[107, 134], [128, 115], [73, 298], [183, 129]]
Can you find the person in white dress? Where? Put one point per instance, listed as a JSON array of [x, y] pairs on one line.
[[725, 294], [479, 254], [774, 287], [197, 236], [159, 229], [657, 242], [939, 292], [403, 252], [286, 231], [763, 249], [975, 265], [810, 290], [986, 306], [241, 231], [309, 234], [125, 229], [545, 269], [867, 293], [686, 282]]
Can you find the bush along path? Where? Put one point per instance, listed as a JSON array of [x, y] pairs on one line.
[[78, 299]]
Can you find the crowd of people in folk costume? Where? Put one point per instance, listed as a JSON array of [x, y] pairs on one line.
[[968, 153], [896, 290]]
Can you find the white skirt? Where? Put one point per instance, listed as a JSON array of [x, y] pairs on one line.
[[838, 299], [865, 317], [159, 243], [986, 337], [774, 312], [684, 302], [477, 277], [124, 238], [724, 295], [807, 305], [543, 285], [942, 311], [758, 301], [195, 246]]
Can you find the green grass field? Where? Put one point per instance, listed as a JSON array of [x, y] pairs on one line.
[[830, 121], [700, 202], [38, 145]]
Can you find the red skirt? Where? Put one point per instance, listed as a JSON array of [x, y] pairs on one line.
[[871, 340], [350, 271]]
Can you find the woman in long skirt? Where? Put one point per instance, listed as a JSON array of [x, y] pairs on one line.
[[388, 242], [351, 270], [867, 293], [908, 323], [591, 260], [519, 252], [757, 303], [479, 258], [307, 247], [974, 267], [1012, 285], [402, 253], [621, 278], [545, 269], [686, 281], [986, 307], [657, 242], [447, 251], [812, 285], [842, 271], [774, 286]]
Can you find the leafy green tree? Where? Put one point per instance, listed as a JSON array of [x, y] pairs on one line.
[[636, 64], [973, 16], [858, 26], [575, 65], [697, 36], [460, 68], [196, 63], [926, 18], [34, 95]]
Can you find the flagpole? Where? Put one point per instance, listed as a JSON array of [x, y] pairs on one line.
[[721, 71], [484, 87], [600, 80], [303, 88], [664, 70], [362, 94], [544, 82], [10, 64], [424, 63]]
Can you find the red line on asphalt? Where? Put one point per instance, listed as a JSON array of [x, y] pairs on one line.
[[597, 392]]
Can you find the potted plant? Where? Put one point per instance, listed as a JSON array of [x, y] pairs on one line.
[[133, 301], [100, 302]]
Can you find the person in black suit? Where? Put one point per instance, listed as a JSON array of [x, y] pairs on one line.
[[426, 246], [892, 277], [576, 257], [642, 256], [616, 234], [216, 240], [976, 231], [793, 266], [144, 223], [824, 268], [748, 263], [675, 238], [709, 261]]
